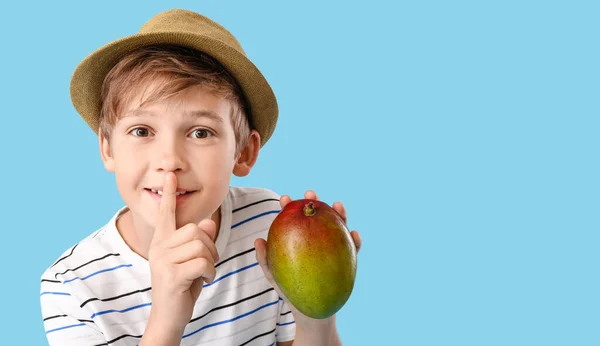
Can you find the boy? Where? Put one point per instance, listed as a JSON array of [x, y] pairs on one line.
[[178, 108]]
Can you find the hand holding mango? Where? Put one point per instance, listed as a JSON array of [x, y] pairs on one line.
[[312, 257]]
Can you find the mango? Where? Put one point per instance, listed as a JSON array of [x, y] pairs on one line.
[[312, 257]]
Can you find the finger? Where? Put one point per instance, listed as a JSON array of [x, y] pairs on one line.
[[310, 194], [192, 231], [197, 268], [357, 240], [166, 217], [209, 228], [284, 200], [190, 250], [261, 256], [339, 207], [183, 235]]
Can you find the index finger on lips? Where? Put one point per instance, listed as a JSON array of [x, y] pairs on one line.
[[166, 215]]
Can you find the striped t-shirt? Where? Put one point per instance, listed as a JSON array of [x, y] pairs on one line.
[[98, 292]]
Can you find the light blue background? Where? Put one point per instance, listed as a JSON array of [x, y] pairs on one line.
[[462, 136]]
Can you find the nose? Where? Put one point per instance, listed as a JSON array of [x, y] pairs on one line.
[[170, 156]]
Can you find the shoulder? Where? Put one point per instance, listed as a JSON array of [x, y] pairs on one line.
[[60, 292], [71, 254], [242, 195], [85, 252], [253, 208], [254, 199]]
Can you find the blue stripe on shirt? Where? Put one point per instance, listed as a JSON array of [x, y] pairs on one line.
[[232, 273], [120, 311], [231, 320], [57, 293], [285, 324], [255, 217], [65, 327], [98, 272]]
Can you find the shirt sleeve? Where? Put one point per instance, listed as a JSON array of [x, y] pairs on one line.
[[286, 325], [65, 323]]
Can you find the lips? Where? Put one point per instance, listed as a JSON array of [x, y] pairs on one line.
[[159, 192], [180, 195]]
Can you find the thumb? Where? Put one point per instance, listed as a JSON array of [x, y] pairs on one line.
[[196, 288], [209, 227], [261, 256]]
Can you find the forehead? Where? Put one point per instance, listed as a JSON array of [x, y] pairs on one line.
[[197, 114], [192, 102]]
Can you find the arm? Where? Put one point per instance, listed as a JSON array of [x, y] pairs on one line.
[[156, 335], [315, 332]]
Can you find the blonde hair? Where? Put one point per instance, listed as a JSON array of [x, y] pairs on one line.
[[177, 68]]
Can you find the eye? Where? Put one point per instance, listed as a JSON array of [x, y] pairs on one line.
[[201, 133], [140, 132]]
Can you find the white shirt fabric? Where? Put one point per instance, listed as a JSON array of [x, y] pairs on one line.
[[98, 292]]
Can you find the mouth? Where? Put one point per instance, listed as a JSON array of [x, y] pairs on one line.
[[180, 195]]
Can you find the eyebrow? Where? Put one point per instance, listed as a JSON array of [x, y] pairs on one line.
[[203, 113]]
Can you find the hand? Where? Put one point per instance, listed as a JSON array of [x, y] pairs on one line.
[[261, 249], [180, 262]]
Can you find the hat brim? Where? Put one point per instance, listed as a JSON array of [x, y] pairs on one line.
[[87, 79]]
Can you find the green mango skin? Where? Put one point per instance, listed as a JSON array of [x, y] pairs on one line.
[[312, 258]]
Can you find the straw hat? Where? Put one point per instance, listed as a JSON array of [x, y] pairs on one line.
[[188, 29]]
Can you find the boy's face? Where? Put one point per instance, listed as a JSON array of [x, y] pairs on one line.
[[190, 134]]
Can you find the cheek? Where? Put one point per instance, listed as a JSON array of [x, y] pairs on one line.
[[129, 168], [216, 168]]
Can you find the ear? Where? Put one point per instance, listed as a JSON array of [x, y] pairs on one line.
[[105, 152], [248, 155]]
